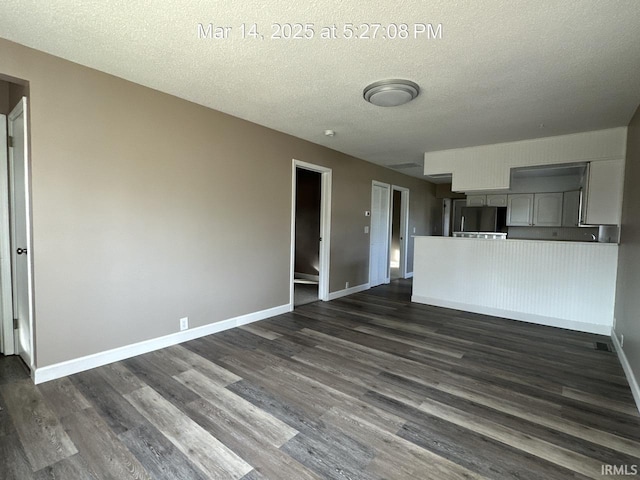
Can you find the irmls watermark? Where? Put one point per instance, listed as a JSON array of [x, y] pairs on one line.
[[629, 470]]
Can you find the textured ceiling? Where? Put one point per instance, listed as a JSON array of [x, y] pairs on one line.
[[502, 69]]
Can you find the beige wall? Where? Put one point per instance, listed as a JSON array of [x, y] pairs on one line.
[[443, 190], [627, 299], [132, 223]]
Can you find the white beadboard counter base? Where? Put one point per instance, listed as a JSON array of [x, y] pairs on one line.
[[514, 315], [562, 284]]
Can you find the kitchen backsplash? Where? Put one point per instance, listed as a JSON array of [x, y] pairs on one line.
[[575, 234]]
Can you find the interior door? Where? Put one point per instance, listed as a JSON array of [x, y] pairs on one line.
[[20, 231], [6, 325], [379, 235]]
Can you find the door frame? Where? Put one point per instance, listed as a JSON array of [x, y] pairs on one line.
[[21, 109], [7, 346], [404, 227], [387, 278], [325, 228]]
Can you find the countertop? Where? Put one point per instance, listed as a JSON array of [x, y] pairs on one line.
[[572, 242]]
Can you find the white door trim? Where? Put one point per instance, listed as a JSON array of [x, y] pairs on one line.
[[387, 236], [21, 109], [6, 321], [325, 228], [404, 226]]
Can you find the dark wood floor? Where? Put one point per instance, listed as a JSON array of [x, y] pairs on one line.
[[368, 386]]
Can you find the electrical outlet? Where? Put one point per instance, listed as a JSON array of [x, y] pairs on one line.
[[184, 323], [621, 340], [414, 229], [346, 285]]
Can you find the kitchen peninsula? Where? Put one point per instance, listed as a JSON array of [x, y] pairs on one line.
[[563, 284], [553, 189]]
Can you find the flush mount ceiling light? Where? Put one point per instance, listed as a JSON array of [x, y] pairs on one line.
[[391, 93]]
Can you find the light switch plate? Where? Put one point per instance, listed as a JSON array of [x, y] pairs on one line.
[[366, 229]]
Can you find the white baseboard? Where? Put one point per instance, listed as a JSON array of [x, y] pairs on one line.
[[408, 275], [69, 367], [349, 291], [626, 366], [601, 329], [306, 276]]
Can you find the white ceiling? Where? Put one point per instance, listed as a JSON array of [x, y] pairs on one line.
[[501, 69]]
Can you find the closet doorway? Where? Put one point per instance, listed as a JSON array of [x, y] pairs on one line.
[[399, 230], [311, 205]]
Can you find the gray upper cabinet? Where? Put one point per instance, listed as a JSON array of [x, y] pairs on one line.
[[497, 200], [520, 210], [540, 209], [602, 201], [476, 200], [547, 209]]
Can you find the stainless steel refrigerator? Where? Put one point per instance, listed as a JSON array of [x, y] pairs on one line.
[[479, 219]]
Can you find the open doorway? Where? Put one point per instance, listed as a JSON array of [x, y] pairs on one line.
[[399, 225], [389, 227], [311, 190], [396, 235], [306, 276]]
